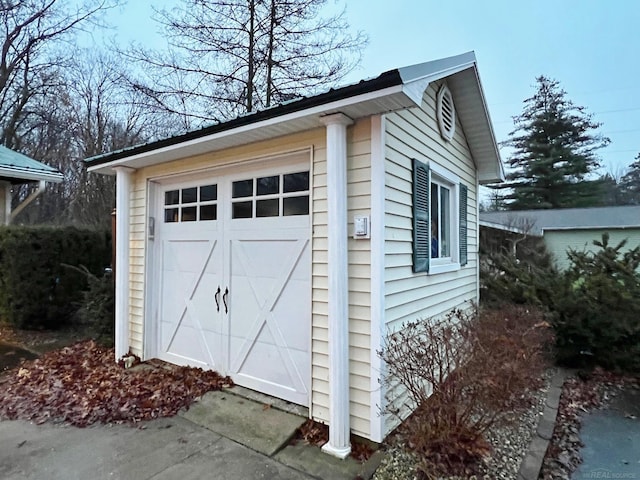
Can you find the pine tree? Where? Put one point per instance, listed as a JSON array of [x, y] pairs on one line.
[[555, 144], [630, 183], [596, 309]]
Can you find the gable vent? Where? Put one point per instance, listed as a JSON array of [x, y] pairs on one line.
[[446, 113]]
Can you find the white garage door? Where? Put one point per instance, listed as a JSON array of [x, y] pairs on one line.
[[234, 265]]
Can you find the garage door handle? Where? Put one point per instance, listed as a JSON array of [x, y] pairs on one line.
[[217, 297], [224, 299]]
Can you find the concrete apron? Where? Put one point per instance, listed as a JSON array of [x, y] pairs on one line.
[[261, 423]]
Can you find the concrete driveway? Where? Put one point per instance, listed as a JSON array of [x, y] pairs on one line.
[[229, 434], [172, 448], [611, 440]]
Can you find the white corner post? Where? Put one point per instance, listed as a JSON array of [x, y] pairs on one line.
[[5, 203], [123, 189], [339, 444]]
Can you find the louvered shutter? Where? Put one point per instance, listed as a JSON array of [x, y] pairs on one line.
[[421, 235], [463, 224]]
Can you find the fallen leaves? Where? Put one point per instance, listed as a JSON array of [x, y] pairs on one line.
[[313, 433], [316, 433], [82, 385]]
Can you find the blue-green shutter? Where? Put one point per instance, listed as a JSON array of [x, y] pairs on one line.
[[463, 224], [421, 235]]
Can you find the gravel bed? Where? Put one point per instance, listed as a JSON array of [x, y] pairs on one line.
[[509, 441]]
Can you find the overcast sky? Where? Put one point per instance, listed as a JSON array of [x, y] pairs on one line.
[[592, 47]]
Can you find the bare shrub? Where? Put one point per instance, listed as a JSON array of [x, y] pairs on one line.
[[462, 375]]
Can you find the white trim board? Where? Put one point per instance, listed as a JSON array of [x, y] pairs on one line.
[[377, 252]]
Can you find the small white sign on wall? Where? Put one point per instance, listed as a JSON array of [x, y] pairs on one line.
[[361, 227]]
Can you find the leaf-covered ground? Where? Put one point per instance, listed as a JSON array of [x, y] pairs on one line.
[[81, 384], [316, 433]]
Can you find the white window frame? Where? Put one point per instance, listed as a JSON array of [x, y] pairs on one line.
[[444, 177]]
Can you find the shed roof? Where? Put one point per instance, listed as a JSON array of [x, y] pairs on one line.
[[18, 168], [537, 222], [393, 90]]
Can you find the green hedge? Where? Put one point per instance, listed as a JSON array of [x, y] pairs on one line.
[[37, 290]]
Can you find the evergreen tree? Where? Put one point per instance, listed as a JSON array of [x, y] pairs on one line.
[[555, 144], [611, 193], [595, 310], [630, 183]]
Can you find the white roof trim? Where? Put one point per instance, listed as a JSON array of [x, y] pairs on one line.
[[28, 175], [507, 228], [594, 227], [176, 151], [417, 78]]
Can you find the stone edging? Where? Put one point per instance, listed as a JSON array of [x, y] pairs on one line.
[[532, 462]]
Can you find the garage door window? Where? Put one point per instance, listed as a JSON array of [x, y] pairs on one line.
[[191, 204], [271, 196]]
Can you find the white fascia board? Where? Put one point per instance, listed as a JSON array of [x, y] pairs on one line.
[[594, 227], [165, 153], [488, 178], [416, 87], [21, 174], [506, 228], [500, 175]]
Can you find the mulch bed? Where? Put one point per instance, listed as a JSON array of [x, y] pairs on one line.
[[580, 394], [81, 384]]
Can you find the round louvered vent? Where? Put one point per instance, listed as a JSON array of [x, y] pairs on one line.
[[446, 113]]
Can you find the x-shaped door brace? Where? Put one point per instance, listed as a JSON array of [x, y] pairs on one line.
[[189, 305], [266, 317]]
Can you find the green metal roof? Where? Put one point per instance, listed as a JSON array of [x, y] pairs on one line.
[[18, 168]]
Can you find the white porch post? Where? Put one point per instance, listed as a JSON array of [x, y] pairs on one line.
[[339, 442], [123, 189], [5, 214]]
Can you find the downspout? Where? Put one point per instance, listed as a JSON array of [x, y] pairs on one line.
[[339, 444], [123, 188], [41, 186]]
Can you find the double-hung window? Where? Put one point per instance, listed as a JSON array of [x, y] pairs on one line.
[[439, 220]]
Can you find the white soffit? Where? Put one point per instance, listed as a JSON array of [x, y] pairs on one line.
[[373, 103]]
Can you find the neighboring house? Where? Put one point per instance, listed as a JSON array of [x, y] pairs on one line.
[[16, 169], [574, 228], [281, 246]]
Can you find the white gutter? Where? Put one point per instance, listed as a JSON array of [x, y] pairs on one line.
[[41, 186], [27, 174], [176, 151], [589, 227], [507, 228]]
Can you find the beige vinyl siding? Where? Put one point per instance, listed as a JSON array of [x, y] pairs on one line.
[[139, 207], [359, 187], [137, 226], [413, 133], [559, 241]]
